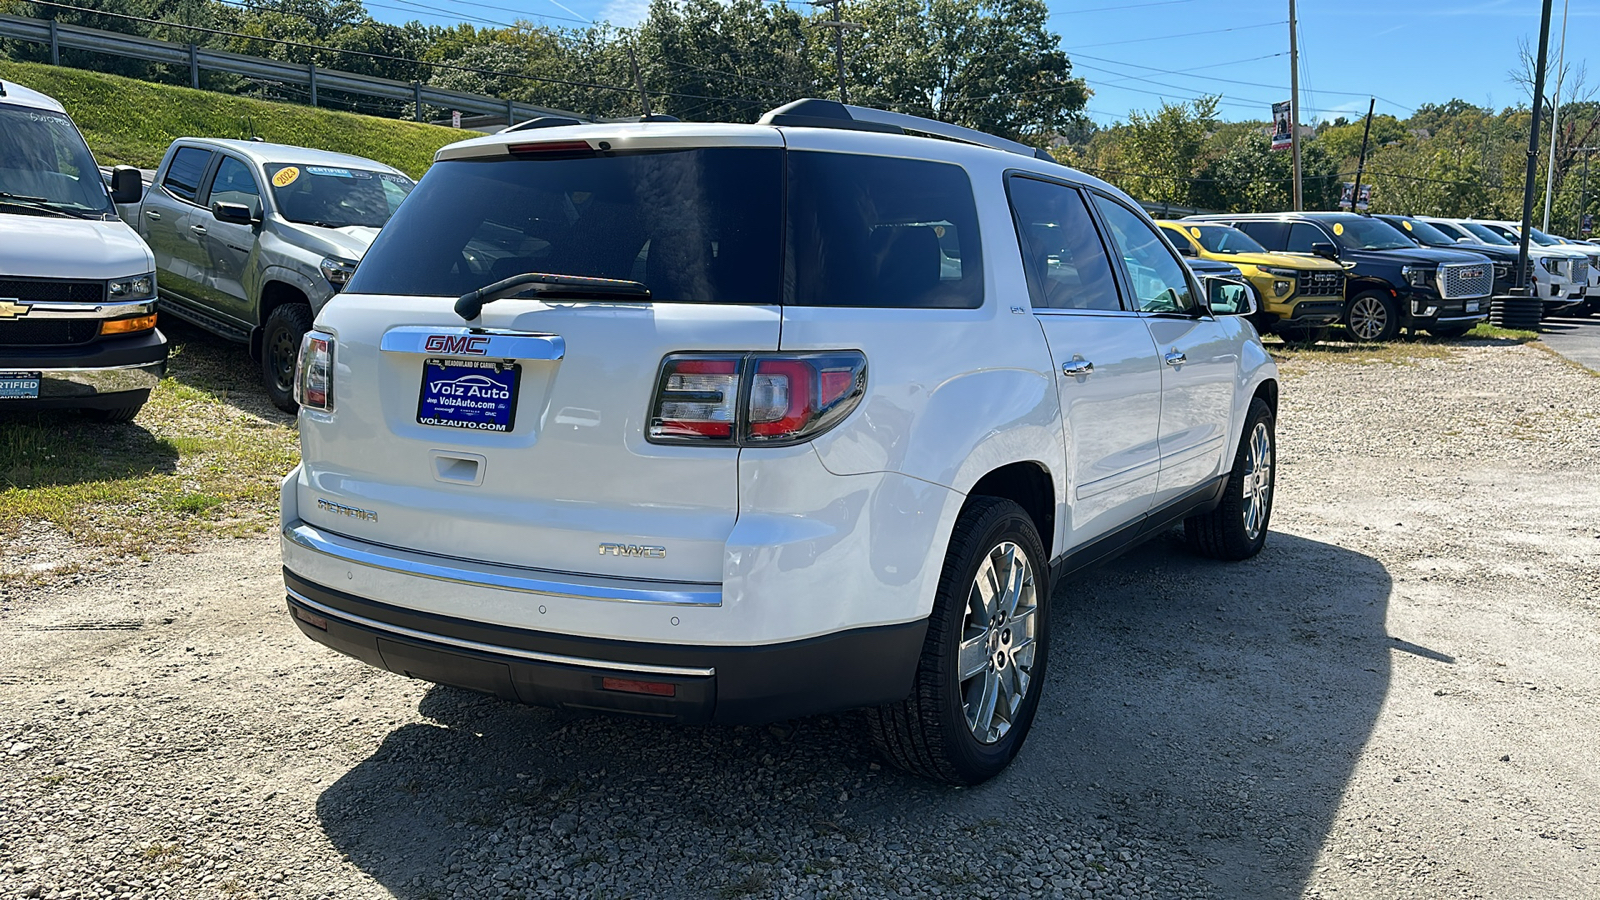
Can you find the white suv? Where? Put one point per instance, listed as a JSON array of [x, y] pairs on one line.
[[737, 423]]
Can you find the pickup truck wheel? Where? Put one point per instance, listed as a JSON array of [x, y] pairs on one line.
[[1372, 316], [1237, 528], [280, 349], [983, 664]]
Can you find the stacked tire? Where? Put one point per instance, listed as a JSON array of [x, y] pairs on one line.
[[1522, 313]]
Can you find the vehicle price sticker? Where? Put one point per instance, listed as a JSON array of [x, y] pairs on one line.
[[475, 394], [285, 177], [19, 385]]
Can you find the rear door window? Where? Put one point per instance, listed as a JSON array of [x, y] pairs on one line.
[[1062, 251], [1271, 235], [188, 167], [880, 231]]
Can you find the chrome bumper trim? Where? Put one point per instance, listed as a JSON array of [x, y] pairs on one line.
[[57, 384], [491, 575], [534, 656]]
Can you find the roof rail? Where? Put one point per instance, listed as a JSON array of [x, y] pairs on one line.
[[814, 113], [541, 122]]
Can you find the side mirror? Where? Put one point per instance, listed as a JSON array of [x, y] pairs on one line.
[[1326, 251], [233, 213], [1227, 297], [127, 185], [1465, 240], [1184, 249]]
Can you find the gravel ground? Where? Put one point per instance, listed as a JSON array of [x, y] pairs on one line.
[[1396, 699]]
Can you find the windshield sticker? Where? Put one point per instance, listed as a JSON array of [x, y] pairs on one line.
[[285, 176], [1338, 228], [1406, 224], [1194, 230], [332, 173]]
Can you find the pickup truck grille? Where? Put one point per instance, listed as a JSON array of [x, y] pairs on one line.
[[52, 290], [1578, 271], [1321, 284], [44, 332], [1459, 281]]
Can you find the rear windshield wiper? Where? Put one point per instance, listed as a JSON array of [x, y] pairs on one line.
[[553, 287]]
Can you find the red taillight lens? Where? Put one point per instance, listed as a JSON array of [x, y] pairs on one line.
[[550, 148], [313, 380], [697, 399], [756, 399]]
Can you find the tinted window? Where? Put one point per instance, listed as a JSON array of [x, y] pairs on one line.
[[692, 225], [187, 168], [1451, 231], [1302, 236], [1160, 281], [1062, 252], [1225, 240], [880, 231], [1271, 235], [1424, 233], [233, 183], [1362, 233]]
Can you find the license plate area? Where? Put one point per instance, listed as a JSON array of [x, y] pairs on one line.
[[473, 394], [1473, 306], [20, 385]]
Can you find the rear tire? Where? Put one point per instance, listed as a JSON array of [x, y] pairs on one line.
[[967, 717], [280, 350], [1372, 316], [1237, 528]]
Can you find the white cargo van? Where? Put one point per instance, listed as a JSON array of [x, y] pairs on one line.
[[77, 285]]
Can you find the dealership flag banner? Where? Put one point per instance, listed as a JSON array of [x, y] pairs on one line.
[[1282, 129], [1366, 197], [1346, 194]]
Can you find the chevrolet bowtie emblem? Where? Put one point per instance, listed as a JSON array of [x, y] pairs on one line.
[[10, 309]]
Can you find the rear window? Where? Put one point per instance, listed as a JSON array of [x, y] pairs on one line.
[[881, 231], [700, 226], [184, 174]]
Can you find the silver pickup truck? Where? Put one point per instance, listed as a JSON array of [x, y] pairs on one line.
[[251, 239]]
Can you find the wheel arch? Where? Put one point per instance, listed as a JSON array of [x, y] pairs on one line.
[[1267, 392], [1030, 485], [274, 293]]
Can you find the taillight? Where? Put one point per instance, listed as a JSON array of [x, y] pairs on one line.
[[754, 399], [313, 377]]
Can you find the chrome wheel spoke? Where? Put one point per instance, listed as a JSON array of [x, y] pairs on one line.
[[981, 714], [997, 652], [1256, 492], [974, 655]]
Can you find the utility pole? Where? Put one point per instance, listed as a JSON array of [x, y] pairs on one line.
[[1361, 163], [1294, 108], [1521, 287], [839, 27], [1555, 117]]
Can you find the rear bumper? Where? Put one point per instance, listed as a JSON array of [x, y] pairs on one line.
[[743, 684], [99, 374]]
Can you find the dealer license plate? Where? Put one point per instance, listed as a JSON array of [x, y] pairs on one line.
[[19, 385], [469, 393], [1472, 307]]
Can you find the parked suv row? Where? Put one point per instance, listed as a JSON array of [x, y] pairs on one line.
[[744, 422], [1301, 295], [1392, 281]]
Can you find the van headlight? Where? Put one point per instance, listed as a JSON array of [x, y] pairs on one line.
[[139, 287], [337, 271]]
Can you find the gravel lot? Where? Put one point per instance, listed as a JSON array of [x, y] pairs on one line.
[[1396, 699]]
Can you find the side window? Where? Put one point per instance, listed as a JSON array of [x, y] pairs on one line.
[[1302, 236], [184, 174], [1062, 252], [880, 231], [1270, 235], [1160, 280], [1180, 240], [234, 183]]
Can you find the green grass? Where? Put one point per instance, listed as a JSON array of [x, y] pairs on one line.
[[131, 122], [204, 457], [1402, 350]]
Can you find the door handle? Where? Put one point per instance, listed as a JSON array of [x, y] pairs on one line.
[[1077, 367], [1175, 358], [198, 229], [152, 214]]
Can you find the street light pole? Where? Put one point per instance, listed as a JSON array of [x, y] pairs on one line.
[[1521, 287], [1555, 117]]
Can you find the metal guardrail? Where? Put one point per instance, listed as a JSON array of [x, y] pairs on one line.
[[75, 37]]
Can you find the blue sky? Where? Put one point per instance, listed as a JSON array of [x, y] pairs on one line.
[[1135, 53]]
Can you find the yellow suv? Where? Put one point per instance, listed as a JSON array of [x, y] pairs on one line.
[[1301, 295]]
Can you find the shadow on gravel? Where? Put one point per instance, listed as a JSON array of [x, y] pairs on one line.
[[1200, 725], [218, 367]]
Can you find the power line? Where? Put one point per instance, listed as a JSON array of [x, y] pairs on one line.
[[1073, 12], [1167, 37]]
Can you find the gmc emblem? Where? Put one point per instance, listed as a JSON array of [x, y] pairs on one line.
[[1472, 273], [457, 344]]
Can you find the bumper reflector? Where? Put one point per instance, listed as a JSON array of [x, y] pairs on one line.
[[312, 619], [631, 686], [128, 326]]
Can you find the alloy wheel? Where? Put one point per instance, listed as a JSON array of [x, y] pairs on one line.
[[1258, 481], [998, 642], [1368, 318]]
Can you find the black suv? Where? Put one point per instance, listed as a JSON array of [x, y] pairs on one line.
[[1392, 282], [1427, 235]]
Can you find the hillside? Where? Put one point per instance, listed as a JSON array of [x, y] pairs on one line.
[[132, 122]]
